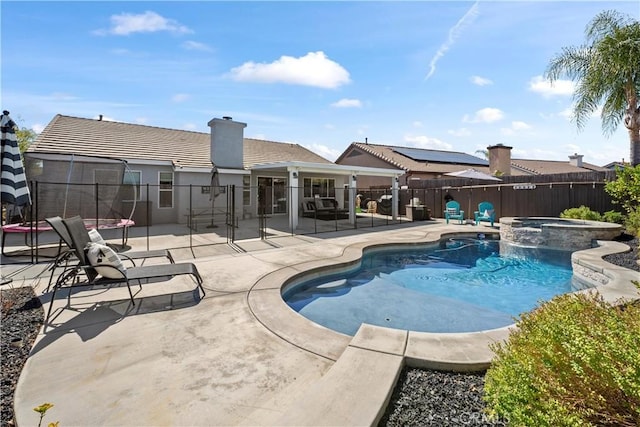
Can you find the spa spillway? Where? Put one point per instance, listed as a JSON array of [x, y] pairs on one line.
[[556, 233]]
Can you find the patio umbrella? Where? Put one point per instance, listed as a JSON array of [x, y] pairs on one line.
[[215, 192], [15, 190], [472, 174]]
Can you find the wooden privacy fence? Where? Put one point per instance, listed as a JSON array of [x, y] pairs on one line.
[[543, 195]]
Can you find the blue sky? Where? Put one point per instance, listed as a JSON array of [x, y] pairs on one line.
[[448, 75]]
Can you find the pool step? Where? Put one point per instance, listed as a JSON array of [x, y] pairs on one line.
[[357, 388]]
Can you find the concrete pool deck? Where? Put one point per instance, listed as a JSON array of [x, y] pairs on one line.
[[240, 356]]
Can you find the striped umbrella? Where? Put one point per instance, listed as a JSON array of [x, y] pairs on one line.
[[15, 190]]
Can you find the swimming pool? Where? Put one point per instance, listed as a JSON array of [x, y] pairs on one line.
[[455, 285]]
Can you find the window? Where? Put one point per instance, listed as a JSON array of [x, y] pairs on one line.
[[132, 178], [321, 187], [165, 190], [246, 190]]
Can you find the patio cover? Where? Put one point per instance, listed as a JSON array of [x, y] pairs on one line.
[[295, 168]]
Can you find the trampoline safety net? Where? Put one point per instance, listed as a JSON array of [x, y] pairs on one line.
[[66, 185]]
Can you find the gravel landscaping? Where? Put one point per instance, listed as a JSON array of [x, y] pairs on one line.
[[22, 317], [431, 398], [421, 397]]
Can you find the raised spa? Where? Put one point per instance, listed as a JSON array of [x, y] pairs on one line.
[[460, 284], [556, 233]]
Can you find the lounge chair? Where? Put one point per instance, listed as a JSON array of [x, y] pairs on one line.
[[452, 211], [62, 260], [485, 213], [102, 266]]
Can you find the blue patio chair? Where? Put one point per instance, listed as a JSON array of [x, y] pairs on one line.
[[452, 211], [485, 213]]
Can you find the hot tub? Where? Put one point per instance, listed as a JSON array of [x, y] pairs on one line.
[[556, 233]]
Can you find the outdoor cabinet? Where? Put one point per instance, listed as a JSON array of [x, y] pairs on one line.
[[418, 213]]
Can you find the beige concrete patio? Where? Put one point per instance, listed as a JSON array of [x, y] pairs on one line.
[[238, 356]]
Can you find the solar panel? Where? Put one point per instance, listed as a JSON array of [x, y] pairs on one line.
[[422, 155]]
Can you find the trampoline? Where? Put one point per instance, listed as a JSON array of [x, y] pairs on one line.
[[100, 189]]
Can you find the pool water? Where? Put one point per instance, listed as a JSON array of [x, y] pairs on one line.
[[458, 285]]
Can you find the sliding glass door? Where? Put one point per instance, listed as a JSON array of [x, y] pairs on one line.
[[272, 195]]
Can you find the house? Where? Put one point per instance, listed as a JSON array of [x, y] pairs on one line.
[[176, 166], [420, 164], [617, 165]]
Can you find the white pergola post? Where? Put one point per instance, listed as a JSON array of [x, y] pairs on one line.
[[353, 187], [293, 199], [394, 198]]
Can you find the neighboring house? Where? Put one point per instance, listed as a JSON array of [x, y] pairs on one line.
[[617, 165], [420, 164], [177, 165]]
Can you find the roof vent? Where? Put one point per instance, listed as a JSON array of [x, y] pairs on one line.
[[227, 117]]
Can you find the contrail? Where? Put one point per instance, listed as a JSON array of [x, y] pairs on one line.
[[454, 33]]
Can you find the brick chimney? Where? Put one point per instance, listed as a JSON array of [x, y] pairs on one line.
[[500, 159], [227, 140], [576, 160]]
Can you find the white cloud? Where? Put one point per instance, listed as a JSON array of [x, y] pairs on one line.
[[480, 81], [422, 141], [313, 69], [515, 127], [38, 127], [485, 115], [417, 124], [454, 33], [347, 103], [191, 45], [61, 96], [147, 22], [542, 86], [518, 125], [459, 132], [180, 97], [324, 151]]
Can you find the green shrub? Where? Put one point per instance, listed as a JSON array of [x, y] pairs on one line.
[[632, 222], [583, 212], [613, 216], [573, 361], [625, 189]]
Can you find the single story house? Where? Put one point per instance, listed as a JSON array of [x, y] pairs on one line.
[[420, 164], [177, 166]]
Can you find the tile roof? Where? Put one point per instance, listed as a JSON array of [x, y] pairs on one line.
[[394, 157], [257, 151], [65, 134], [549, 167]]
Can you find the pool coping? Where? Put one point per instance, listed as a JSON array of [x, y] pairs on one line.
[[369, 364], [468, 351]]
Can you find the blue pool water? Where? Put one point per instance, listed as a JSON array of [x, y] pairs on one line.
[[458, 285]]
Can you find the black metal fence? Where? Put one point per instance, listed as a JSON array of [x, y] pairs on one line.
[[243, 213]]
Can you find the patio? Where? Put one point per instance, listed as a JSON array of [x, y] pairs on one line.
[[238, 356]]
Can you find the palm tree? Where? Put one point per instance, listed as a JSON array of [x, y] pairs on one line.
[[607, 71], [485, 153]]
